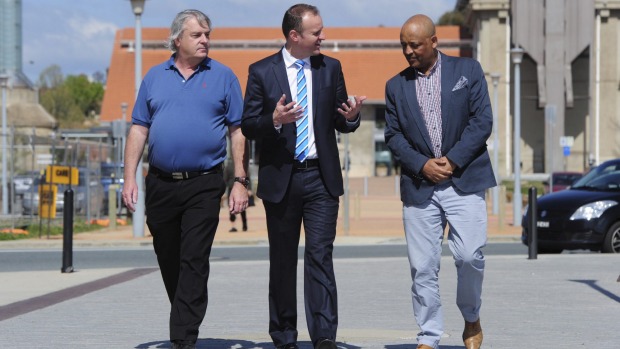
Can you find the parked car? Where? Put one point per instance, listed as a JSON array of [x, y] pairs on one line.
[[23, 182], [585, 216], [561, 181], [87, 194]]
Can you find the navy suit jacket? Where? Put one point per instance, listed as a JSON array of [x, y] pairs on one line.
[[267, 82], [467, 123]]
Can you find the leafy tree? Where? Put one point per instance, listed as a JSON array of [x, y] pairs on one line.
[[86, 95], [51, 77], [452, 18], [72, 100]]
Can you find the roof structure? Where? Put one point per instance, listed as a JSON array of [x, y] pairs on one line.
[[369, 56]]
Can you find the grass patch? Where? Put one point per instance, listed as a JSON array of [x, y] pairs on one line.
[[30, 229]]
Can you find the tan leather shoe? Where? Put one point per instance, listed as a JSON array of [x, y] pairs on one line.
[[424, 346], [472, 335]]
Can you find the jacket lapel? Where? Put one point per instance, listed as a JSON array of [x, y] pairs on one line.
[[447, 75], [315, 64], [279, 71], [408, 86]]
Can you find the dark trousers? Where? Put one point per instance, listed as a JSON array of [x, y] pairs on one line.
[[182, 216], [306, 200]]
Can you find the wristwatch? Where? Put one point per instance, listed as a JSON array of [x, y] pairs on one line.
[[245, 181]]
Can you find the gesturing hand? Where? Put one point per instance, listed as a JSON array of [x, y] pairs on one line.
[[352, 107], [286, 113]]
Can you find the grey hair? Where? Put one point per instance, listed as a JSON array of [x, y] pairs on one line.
[[176, 28]]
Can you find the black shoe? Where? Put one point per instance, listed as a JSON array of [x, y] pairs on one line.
[[183, 345], [288, 346], [325, 343], [245, 229], [233, 230]]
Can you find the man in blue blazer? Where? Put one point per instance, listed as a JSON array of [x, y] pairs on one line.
[[295, 102], [438, 118]]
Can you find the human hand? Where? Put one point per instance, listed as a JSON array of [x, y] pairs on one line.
[[130, 194], [352, 107], [238, 198], [285, 114], [437, 170]]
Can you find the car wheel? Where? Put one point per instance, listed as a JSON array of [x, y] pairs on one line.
[[612, 239]]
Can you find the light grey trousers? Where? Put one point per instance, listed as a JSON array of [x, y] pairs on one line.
[[424, 225]]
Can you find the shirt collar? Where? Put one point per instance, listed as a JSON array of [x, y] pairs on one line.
[[289, 60], [205, 64], [436, 66]]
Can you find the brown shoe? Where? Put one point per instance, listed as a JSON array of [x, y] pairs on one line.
[[472, 335], [424, 346]]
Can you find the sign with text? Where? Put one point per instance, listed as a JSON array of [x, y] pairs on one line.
[[47, 200], [62, 175]]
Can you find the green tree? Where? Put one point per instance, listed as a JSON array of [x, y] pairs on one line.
[[86, 95], [51, 77], [452, 18], [72, 100]]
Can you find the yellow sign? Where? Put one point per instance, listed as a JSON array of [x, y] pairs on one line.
[[62, 175], [47, 200]]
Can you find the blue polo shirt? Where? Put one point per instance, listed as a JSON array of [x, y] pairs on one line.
[[188, 119]]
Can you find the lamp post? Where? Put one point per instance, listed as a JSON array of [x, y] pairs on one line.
[[4, 81], [495, 80], [123, 133], [137, 7], [517, 57]]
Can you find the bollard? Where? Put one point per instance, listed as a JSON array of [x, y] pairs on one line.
[[502, 207], [67, 233], [532, 236]]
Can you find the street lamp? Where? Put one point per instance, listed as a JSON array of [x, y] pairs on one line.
[[137, 7], [124, 106], [517, 57], [4, 82], [495, 80]]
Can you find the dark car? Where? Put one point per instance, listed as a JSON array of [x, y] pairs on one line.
[[561, 181], [585, 216]]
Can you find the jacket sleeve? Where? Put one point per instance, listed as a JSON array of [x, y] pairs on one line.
[[257, 121]]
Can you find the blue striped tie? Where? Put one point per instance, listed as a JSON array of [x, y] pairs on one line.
[[301, 145]]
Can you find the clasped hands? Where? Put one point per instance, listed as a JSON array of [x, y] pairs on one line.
[[438, 170], [291, 112]]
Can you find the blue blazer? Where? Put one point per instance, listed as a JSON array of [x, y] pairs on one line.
[[267, 82], [467, 123]]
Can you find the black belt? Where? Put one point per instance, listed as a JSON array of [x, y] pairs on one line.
[[184, 174], [307, 164]]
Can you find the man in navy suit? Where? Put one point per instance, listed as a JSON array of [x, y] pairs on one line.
[[438, 118], [295, 102]]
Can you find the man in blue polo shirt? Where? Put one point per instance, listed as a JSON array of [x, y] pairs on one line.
[[184, 108]]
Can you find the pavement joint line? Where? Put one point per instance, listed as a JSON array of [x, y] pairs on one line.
[[35, 303]]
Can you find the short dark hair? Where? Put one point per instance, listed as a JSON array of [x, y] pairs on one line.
[[292, 17]]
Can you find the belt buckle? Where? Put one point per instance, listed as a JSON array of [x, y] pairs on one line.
[[178, 175]]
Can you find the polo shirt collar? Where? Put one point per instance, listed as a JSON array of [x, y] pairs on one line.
[[205, 64]]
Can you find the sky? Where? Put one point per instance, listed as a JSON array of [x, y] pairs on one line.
[[79, 35]]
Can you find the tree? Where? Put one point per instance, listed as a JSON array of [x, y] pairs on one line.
[[50, 77], [86, 95], [72, 100]]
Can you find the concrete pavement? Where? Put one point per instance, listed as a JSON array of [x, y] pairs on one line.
[[557, 301]]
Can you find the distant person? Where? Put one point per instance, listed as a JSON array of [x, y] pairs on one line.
[[184, 108], [295, 102], [438, 118]]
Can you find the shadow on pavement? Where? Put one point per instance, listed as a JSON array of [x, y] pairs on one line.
[[592, 283], [218, 343]]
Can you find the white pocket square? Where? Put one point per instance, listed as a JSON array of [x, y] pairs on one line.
[[460, 84]]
